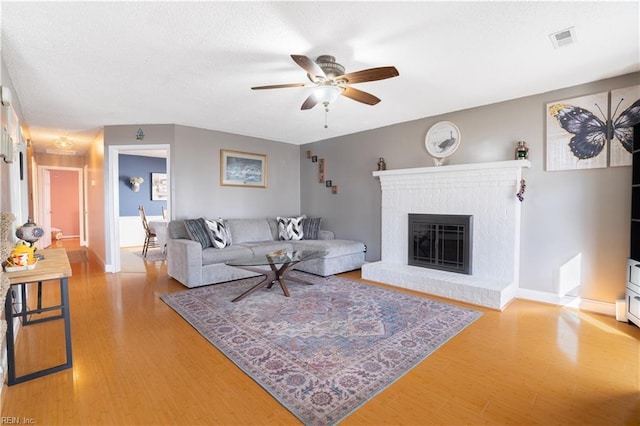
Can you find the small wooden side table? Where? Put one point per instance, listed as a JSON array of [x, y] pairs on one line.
[[54, 266]]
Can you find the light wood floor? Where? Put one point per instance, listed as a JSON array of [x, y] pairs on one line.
[[136, 362]]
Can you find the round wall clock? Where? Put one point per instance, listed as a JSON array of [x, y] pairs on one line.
[[442, 140]]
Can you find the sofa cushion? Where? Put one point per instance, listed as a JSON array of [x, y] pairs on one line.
[[290, 228], [311, 228], [218, 233], [334, 248], [273, 227], [197, 230], [176, 229], [243, 230], [212, 255]]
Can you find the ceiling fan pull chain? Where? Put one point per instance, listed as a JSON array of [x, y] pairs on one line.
[[326, 113]]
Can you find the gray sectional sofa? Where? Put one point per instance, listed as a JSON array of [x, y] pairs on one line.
[[194, 265]]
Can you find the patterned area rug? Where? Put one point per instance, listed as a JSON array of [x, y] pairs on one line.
[[328, 348]]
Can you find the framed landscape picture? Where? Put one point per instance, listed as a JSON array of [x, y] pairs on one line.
[[243, 169], [158, 186]]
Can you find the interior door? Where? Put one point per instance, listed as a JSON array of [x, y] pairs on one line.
[[45, 208], [84, 233]]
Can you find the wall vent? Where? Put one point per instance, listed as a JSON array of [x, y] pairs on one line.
[[61, 151], [563, 38]]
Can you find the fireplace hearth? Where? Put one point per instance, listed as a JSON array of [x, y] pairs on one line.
[[439, 241]]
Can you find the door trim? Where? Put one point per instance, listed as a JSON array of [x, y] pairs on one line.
[[39, 208], [113, 198]]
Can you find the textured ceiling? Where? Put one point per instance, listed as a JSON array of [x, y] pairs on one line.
[[78, 66]]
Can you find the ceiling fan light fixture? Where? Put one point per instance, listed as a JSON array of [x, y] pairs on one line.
[[331, 68], [330, 81], [63, 143], [327, 94]]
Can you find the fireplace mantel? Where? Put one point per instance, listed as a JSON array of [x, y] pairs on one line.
[[456, 168], [487, 191]]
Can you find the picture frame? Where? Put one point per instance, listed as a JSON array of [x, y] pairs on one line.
[[607, 139], [619, 113], [442, 140], [158, 186], [568, 149], [243, 169], [321, 170]]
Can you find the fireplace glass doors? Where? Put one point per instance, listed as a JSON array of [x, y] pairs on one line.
[[441, 242]]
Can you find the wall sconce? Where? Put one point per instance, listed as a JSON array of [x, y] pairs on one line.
[[135, 183]]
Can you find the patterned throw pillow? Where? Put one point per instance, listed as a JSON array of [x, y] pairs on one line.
[[197, 230], [311, 227], [218, 233], [290, 228]]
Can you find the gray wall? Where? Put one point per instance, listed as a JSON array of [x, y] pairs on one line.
[[565, 214], [195, 167], [195, 171]]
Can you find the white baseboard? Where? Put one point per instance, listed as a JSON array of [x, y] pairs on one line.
[[605, 308]]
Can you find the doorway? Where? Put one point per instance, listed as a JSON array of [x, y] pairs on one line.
[[113, 237], [60, 203]]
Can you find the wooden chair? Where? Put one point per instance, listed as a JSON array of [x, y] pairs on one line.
[[150, 239]]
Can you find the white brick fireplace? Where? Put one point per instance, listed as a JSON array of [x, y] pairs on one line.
[[485, 190]]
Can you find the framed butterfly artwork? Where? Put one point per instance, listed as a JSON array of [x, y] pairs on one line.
[[575, 138], [625, 113], [592, 131]]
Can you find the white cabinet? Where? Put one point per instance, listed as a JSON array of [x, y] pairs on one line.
[[633, 264], [633, 291]]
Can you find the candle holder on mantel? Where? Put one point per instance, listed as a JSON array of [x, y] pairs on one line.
[[381, 164], [522, 152]]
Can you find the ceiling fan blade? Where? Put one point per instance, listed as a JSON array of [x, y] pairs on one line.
[[359, 95], [281, 86], [310, 102], [309, 66], [371, 74]]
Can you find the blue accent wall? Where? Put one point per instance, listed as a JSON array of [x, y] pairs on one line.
[[139, 166]]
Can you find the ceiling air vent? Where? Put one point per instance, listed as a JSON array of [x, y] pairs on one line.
[[61, 151], [563, 38]]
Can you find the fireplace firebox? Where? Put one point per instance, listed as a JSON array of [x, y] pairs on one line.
[[441, 242]]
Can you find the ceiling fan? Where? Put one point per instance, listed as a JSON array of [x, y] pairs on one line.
[[330, 81]]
